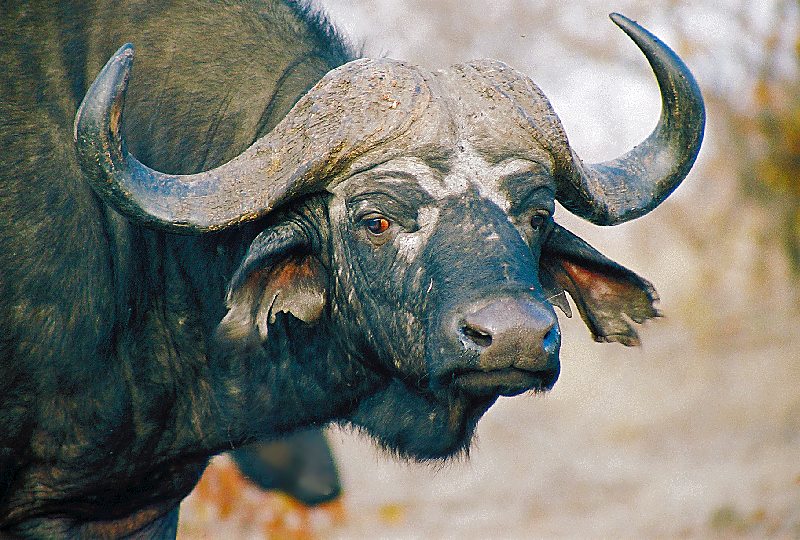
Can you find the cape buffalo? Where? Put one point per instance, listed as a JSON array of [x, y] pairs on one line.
[[378, 249]]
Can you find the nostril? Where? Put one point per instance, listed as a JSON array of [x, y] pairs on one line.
[[479, 337], [550, 340]]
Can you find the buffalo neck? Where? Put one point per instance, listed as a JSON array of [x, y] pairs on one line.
[[222, 394]]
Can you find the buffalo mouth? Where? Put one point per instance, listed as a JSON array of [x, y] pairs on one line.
[[508, 382]]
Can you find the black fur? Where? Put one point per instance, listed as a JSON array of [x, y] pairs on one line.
[[106, 326], [130, 356]]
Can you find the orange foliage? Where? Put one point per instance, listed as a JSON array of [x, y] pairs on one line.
[[226, 504]]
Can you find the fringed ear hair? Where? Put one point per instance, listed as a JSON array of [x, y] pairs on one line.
[[609, 296], [278, 274]]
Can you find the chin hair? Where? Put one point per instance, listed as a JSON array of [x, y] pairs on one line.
[[416, 451], [419, 427]]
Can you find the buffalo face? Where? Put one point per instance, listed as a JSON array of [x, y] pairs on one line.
[[436, 264], [414, 233], [442, 285], [445, 277]]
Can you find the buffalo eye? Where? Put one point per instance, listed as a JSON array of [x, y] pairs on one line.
[[539, 220], [377, 225]]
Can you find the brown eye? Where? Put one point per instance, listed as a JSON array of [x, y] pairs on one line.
[[538, 221], [377, 225]]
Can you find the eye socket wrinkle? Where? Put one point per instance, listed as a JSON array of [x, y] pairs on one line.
[[403, 197], [532, 198], [534, 174], [390, 174], [378, 203]]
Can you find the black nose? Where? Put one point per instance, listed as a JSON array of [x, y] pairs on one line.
[[517, 341]]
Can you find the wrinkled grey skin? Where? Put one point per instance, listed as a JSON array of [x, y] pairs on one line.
[[391, 262]]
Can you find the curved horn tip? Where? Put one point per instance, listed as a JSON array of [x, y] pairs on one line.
[[107, 89], [630, 186], [621, 20], [638, 33], [631, 27], [126, 50], [655, 50]]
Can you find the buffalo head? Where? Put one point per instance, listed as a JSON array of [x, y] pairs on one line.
[[410, 213]]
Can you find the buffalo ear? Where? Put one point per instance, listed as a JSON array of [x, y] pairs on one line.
[[278, 274], [609, 296]]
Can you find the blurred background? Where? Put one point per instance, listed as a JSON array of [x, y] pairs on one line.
[[696, 433]]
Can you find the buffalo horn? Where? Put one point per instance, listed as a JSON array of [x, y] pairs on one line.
[[196, 203], [328, 128], [630, 186]]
